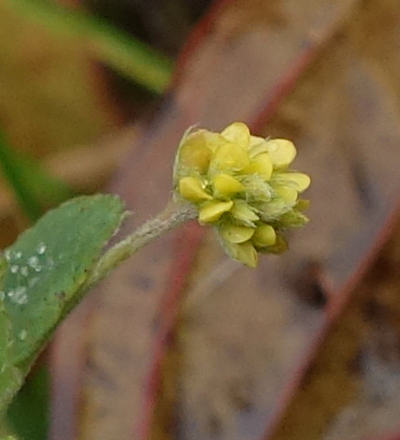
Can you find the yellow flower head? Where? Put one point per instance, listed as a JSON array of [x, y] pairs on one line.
[[243, 186]]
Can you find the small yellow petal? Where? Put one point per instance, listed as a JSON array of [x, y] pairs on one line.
[[256, 140], [195, 153], [246, 254], [281, 151], [258, 145], [261, 165], [288, 194], [241, 211], [229, 156], [212, 211], [300, 181], [191, 189], [264, 236], [236, 234], [238, 133], [213, 140], [226, 185]]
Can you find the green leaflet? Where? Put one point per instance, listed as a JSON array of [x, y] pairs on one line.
[[10, 376], [47, 265]]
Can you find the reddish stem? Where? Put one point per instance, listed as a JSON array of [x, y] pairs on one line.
[[187, 245]]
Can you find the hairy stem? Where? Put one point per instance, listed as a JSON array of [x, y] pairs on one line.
[[172, 216]]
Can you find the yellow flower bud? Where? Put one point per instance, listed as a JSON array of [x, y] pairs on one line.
[[191, 189], [264, 236], [238, 133], [243, 252], [213, 210], [226, 185], [281, 151], [236, 234], [261, 165], [241, 185]]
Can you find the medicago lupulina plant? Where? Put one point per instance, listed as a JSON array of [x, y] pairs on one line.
[[235, 182]]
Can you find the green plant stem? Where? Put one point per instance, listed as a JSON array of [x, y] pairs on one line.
[[172, 216], [127, 55]]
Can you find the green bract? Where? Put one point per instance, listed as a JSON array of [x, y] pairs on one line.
[[243, 186]]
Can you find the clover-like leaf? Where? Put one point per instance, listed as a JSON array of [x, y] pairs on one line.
[[47, 267]]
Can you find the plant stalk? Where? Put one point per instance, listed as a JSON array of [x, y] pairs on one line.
[[173, 215]]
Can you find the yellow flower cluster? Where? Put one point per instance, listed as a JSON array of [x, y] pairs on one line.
[[241, 184]]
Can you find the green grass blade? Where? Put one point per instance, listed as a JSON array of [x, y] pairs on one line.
[[33, 187], [127, 55]]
